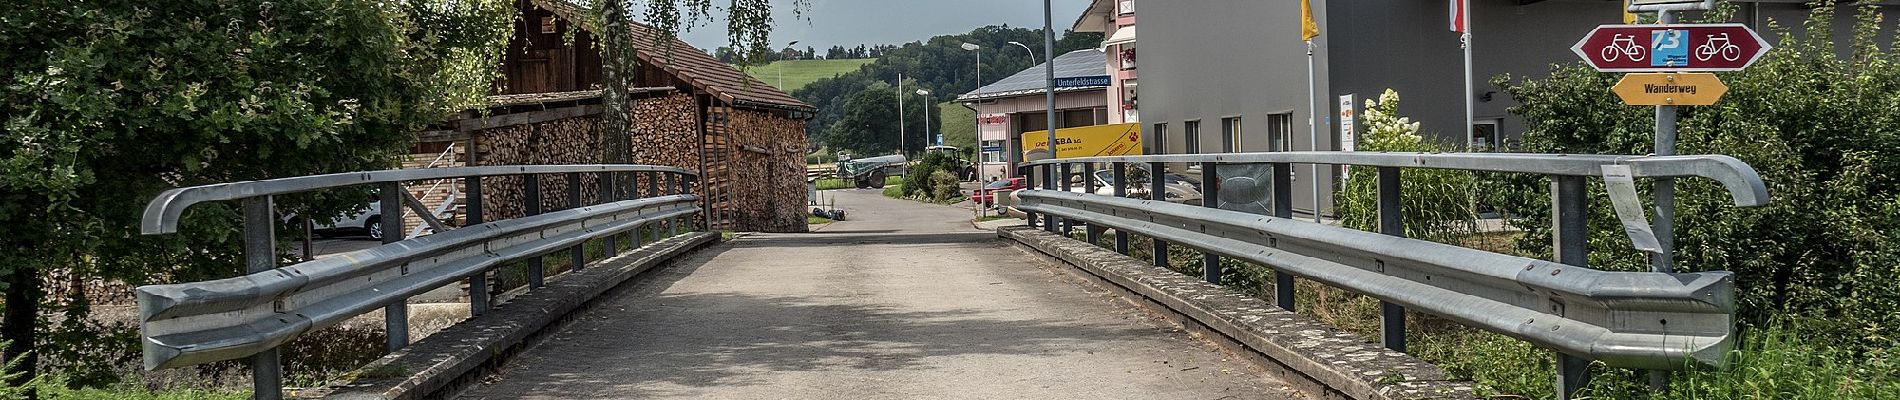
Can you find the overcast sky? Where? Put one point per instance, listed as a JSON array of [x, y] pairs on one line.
[[852, 22]]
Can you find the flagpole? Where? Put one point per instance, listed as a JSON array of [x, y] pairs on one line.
[[1312, 123], [1470, 95]]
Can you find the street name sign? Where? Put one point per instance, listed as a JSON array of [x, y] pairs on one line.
[[1082, 81], [1671, 48], [1670, 89]]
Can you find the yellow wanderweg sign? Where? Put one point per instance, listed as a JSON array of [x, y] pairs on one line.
[[1085, 141], [1670, 89]]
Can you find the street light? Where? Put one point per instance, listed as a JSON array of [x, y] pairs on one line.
[[781, 66], [927, 105], [980, 154], [1032, 53]]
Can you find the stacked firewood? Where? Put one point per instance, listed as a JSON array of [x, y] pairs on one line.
[[564, 141], [768, 171]]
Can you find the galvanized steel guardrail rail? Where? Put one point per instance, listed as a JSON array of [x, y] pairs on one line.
[[192, 323], [1649, 320]]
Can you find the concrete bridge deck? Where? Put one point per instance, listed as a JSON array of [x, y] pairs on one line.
[[905, 300]]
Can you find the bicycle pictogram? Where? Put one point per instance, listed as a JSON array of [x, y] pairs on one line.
[[1718, 43], [1624, 46]]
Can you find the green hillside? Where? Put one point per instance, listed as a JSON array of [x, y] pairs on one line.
[[799, 73]]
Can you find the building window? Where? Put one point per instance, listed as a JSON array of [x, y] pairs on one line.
[[1159, 139], [1230, 134], [549, 25], [1127, 6], [1193, 134], [1484, 136], [1279, 130]]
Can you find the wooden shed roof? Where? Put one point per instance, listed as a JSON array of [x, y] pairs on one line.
[[688, 63]]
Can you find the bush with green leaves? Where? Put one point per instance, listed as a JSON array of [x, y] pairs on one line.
[[1822, 129], [1435, 204]]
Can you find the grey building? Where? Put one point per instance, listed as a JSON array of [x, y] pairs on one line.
[[1231, 75]]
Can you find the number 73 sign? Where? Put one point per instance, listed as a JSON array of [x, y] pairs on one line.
[[1666, 48]]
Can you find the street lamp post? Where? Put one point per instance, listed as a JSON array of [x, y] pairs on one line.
[[900, 115], [1049, 75], [781, 66], [928, 138], [1032, 53], [978, 125]]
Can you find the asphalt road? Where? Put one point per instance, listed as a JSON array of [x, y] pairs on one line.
[[903, 301]]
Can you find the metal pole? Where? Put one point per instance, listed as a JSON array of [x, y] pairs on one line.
[[679, 188], [1312, 123], [1465, 42], [1065, 223], [1210, 198], [260, 254], [577, 256], [978, 124], [1665, 225], [1157, 191], [1029, 182], [901, 138], [1570, 235], [1391, 222], [478, 283], [1049, 74], [531, 200], [606, 181], [395, 315], [1094, 231], [1121, 190], [653, 190], [1283, 207]]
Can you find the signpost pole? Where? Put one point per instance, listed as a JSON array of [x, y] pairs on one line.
[[1664, 261]]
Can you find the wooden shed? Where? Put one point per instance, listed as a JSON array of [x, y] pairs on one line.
[[688, 109]]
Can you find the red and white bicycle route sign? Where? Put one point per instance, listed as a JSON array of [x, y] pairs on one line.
[[1666, 48]]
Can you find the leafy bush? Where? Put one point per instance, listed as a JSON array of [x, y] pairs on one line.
[[1821, 129], [943, 186], [1435, 204]]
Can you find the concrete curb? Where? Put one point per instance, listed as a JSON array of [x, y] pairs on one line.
[[1319, 359], [453, 358]]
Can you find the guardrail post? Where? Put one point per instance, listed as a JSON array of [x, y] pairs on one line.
[[1571, 240], [1391, 222], [577, 257], [1067, 184], [1121, 190], [653, 190], [1283, 208], [607, 196], [531, 201], [260, 254], [395, 315], [1093, 231], [1050, 222], [478, 283], [1157, 191], [1029, 182], [679, 188], [1210, 198]]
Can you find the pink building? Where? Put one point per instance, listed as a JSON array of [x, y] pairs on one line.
[[1115, 19]]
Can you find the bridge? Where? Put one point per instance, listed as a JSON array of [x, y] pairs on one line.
[[910, 300]]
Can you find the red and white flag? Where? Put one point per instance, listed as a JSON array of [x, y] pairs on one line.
[[1460, 15]]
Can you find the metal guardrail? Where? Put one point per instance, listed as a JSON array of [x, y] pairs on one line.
[[1651, 320], [251, 316]]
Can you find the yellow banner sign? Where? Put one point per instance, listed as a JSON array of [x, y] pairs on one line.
[[1670, 89], [1085, 141]]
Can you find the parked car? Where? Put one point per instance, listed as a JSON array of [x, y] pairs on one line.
[[1178, 188], [368, 222], [986, 195]]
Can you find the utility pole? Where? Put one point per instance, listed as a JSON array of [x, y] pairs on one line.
[[900, 114]]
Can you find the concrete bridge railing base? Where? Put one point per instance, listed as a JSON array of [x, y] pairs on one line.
[[449, 361], [1317, 359]]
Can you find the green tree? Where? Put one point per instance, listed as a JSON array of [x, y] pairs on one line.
[[110, 102]]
